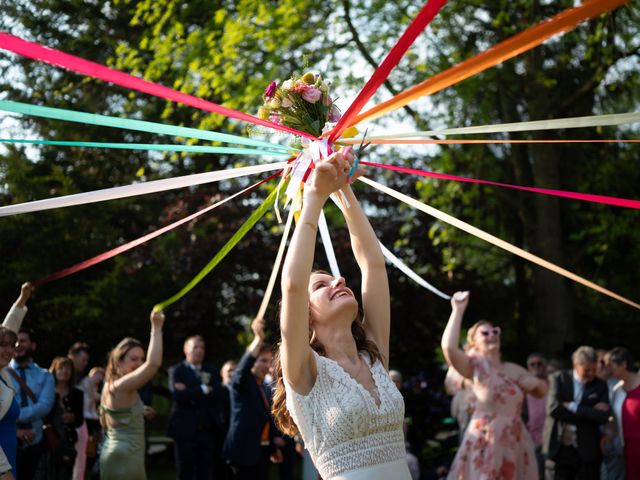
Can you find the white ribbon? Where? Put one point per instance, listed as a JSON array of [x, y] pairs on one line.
[[572, 122], [137, 189], [314, 151], [328, 246], [396, 262], [498, 242], [276, 267]]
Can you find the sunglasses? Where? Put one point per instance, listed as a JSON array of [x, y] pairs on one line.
[[494, 331]]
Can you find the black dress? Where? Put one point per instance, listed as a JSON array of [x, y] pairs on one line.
[[60, 455]]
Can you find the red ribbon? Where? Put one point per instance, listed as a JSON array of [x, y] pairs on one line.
[[619, 202], [80, 65], [134, 243], [417, 26]]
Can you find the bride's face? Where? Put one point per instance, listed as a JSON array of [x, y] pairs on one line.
[[329, 298]]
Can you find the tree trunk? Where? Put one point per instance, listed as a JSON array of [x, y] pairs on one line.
[[553, 303]]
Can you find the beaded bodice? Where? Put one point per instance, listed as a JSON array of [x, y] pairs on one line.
[[340, 423]]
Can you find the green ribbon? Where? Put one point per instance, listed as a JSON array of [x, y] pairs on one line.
[[130, 124], [233, 241], [162, 147]]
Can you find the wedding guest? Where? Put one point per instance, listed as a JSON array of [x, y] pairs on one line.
[[251, 439], [79, 355], [92, 386], [227, 371], [35, 389], [196, 420], [122, 410], [626, 406], [577, 406], [537, 408], [9, 406], [496, 439], [61, 423]]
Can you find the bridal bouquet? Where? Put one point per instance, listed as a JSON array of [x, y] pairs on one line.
[[302, 103]]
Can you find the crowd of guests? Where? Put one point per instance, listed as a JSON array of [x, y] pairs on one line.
[[541, 422], [328, 389], [515, 423]]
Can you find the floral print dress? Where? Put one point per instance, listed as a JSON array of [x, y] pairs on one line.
[[496, 445]]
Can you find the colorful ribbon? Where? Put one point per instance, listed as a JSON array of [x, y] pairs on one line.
[[134, 243], [536, 125], [276, 266], [487, 237], [396, 262], [429, 10], [483, 141], [513, 46], [323, 228], [130, 124], [587, 197], [161, 147], [137, 189], [233, 241], [79, 65]]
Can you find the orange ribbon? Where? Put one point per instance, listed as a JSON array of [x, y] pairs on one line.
[[513, 46]]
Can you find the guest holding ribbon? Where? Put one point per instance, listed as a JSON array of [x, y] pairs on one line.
[[625, 402], [121, 409], [333, 385], [9, 406], [496, 443]]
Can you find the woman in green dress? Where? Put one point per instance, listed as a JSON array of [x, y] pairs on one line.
[[121, 415]]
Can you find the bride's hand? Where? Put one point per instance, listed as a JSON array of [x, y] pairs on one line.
[[331, 173]]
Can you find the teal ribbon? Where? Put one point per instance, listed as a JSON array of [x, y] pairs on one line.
[[130, 124], [162, 147]]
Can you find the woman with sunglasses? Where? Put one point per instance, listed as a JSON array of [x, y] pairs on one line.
[[496, 443]]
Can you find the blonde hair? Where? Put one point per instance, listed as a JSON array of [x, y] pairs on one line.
[[472, 331]]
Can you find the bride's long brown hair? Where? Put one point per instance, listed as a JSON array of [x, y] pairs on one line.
[[281, 415]]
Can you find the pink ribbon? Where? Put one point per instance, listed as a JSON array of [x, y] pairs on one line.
[[417, 26], [619, 202], [80, 65]]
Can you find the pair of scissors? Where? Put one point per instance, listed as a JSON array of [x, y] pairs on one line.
[[360, 150]]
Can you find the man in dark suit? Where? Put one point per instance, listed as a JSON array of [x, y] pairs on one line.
[[577, 405], [196, 417], [251, 438]]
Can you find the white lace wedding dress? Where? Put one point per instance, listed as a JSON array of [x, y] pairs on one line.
[[348, 436]]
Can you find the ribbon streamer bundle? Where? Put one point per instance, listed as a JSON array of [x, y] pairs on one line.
[[314, 148]]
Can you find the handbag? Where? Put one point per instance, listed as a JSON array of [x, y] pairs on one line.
[[51, 441]]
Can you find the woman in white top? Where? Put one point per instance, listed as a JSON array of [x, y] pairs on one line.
[[625, 403], [332, 375], [9, 408]]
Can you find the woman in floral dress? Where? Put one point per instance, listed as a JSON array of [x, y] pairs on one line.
[[496, 445]]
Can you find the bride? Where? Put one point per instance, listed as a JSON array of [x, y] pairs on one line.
[[333, 385]]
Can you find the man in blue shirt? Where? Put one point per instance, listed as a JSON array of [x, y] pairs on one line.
[[34, 404]]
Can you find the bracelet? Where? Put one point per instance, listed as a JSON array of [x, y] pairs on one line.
[[153, 332], [312, 225]]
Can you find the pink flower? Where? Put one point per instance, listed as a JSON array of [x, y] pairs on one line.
[[274, 119], [312, 95], [334, 114], [271, 89]]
